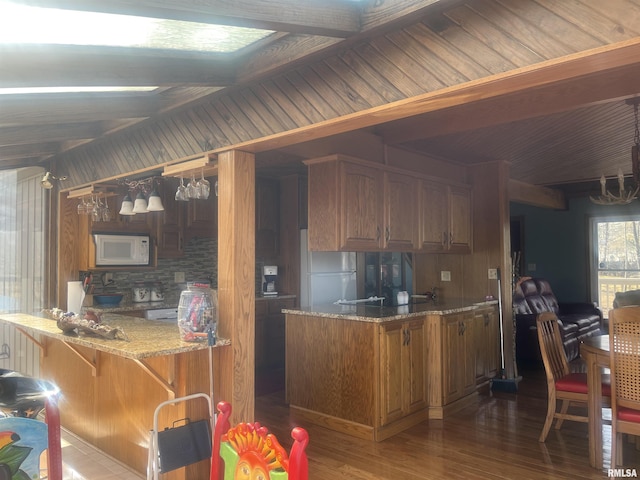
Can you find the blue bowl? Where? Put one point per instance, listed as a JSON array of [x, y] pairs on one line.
[[113, 299]]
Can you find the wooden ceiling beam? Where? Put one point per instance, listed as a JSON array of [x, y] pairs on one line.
[[50, 133], [69, 108], [333, 18], [573, 72], [68, 65], [521, 192]]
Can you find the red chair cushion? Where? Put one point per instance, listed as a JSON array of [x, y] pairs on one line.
[[629, 414], [577, 383]]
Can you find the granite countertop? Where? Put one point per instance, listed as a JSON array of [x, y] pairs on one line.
[[129, 306], [376, 314], [146, 338]]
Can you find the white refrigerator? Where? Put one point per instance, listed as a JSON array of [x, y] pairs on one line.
[[325, 277]]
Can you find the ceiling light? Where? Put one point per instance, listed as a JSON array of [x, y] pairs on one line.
[[625, 195]]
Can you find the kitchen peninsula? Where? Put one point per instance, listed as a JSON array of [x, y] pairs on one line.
[[373, 371], [111, 387]]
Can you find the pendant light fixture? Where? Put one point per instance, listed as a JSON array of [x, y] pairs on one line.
[[141, 204], [127, 206], [155, 203], [625, 195]]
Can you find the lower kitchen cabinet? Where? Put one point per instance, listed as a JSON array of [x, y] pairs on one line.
[[363, 378], [403, 369], [458, 356], [270, 343], [487, 343]]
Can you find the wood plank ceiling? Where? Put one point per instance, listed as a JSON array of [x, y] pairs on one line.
[[343, 59]]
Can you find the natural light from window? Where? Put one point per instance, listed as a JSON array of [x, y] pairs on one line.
[[616, 248], [26, 24]]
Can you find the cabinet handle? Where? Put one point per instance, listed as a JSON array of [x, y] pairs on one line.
[[407, 335], [461, 328], [450, 238], [378, 233], [444, 238], [486, 319], [387, 235]]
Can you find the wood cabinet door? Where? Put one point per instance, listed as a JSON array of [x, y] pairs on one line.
[[460, 230], [392, 338], [360, 206], [170, 223], [267, 218], [467, 354], [400, 210], [488, 343], [433, 217], [202, 217], [415, 365], [493, 343], [452, 364]]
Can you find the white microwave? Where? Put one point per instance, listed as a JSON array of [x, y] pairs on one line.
[[113, 249]]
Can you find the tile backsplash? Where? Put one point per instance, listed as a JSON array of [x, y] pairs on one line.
[[199, 263]]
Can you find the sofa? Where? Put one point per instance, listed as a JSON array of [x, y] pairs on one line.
[[577, 321]]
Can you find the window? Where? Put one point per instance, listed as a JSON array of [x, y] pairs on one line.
[[615, 247], [22, 236]]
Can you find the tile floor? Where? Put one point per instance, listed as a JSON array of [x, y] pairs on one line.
[[82, 461]]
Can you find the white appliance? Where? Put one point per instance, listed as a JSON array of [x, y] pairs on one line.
[[326, 277], [114, 249]]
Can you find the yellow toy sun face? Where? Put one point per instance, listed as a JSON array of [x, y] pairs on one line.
[[250, 467]]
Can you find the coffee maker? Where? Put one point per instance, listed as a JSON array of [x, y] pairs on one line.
[[269, 275]]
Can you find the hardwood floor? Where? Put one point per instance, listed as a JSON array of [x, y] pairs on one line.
[[495, 438]]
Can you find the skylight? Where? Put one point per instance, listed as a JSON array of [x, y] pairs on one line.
[[26, 24], [29, 90]]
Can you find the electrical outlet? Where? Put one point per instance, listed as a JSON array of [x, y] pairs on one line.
[[493, 274], [531, 267], [178, 277], [445, 276]]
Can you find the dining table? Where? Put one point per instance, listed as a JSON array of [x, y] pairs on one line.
[[595, 352]]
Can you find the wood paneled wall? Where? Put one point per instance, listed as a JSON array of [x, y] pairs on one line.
[[465, 42]]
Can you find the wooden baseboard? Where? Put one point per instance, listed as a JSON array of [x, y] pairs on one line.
[[359, 430]]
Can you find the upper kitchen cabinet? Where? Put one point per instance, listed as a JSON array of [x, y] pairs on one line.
[[445, 218], [170, 223], [202, 216], [359, 206], [400, 193], [267, 218]]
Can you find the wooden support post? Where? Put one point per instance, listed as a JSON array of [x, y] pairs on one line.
[[236, 281]]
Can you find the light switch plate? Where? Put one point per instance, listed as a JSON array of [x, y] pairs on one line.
[[493, 274], [445, 276], [178, 277]]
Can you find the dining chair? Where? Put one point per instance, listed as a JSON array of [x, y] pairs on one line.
[[562, 384], [249, 451], [624, 349]]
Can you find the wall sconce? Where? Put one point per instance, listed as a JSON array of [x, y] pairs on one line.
[[47, 180]]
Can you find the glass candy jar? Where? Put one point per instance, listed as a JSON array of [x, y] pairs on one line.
[[196, 313]]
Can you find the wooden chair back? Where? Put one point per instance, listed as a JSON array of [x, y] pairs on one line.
[[248, 450], [624, 339], [551, 349]]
